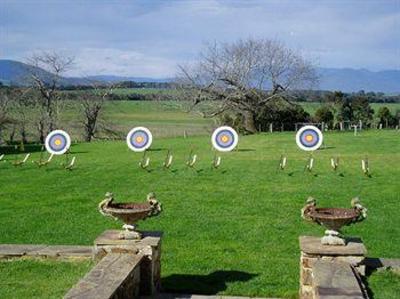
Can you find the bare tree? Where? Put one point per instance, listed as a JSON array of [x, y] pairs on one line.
[[5, 119], [46, 70], [17, 111], [93, 104], [243, 76]]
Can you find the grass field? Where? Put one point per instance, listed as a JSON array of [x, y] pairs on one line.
[[232, 231], [384, 284], [39, 279], [163, 118]]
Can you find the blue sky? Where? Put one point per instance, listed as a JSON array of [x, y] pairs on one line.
[[149, 38]]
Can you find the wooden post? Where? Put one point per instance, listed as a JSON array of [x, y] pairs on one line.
[[271, 127]]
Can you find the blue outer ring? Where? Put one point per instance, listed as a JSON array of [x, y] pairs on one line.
[[144, 135], [231, 140], [58, 148], [307, 143]]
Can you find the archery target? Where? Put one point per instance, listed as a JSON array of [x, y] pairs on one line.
[[139, 139], [58, 142], [309, 138], [224, 139]]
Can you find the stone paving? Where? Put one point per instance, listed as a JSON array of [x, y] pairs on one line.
[[183, 296], [45, 251]]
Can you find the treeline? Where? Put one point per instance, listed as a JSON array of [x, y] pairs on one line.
[[338, 111], [324, 96]]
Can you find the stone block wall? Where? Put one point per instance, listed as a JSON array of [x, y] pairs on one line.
[[323, 267]]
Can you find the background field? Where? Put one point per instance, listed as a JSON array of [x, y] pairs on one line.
[[164, 118], [233, 231]]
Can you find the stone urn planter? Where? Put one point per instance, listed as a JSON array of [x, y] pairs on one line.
[[333, 219], [130, 213]]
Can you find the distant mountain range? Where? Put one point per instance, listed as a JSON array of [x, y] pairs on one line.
[[344, 79]]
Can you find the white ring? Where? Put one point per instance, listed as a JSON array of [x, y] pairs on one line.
[[306, 148], [133, 131], [224, 149], [67, 145]]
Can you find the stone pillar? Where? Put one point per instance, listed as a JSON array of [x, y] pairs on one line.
[[149, 246], [312, 251]]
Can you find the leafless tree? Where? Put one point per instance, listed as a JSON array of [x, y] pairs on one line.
[[5, 119], [17, 111], [46, 70], [241, 77], [93, 103]]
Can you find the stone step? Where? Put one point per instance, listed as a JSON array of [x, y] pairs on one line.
[[188, 296], [45, 251], [336, 280], [117, 275]]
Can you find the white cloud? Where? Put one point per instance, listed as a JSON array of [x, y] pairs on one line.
[[106, 61]]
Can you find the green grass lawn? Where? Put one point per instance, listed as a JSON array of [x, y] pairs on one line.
[[384, 285], [163, 118], [39, 279], [234, 230]]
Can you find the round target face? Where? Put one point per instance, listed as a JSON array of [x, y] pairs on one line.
[[139, 139], [58, 142], [309, 138], [224, 139]]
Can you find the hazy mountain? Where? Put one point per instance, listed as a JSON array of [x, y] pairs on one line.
[[111, 78], [18, 73], [344, 79], [348, 80]]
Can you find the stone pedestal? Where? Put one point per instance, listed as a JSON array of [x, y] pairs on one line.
[[312, 251], [149, 246]]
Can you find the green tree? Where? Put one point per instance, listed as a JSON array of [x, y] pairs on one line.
[[324, 114], [385, 117], [362, 109]]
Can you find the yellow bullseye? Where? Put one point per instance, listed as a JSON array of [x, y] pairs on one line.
[[224, 138], [309, 138], [57, 142], [139, 139]]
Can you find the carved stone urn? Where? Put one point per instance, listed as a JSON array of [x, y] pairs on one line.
[[130, 213], [333, 219]]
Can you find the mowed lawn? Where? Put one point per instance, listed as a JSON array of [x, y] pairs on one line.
[[163, 118], [233, 230]]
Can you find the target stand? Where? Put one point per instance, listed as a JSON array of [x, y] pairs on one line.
[[365, 167], [168, 160], [335, 163], [42, 162], [145, 162], [58, 142], [17, 163], [310, 164], [216, 162], [139, 139], [309, 138], [191, 160], [282, 163], [223, 139]]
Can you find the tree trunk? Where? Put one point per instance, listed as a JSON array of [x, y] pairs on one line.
[[41, 132], [248, 122]]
